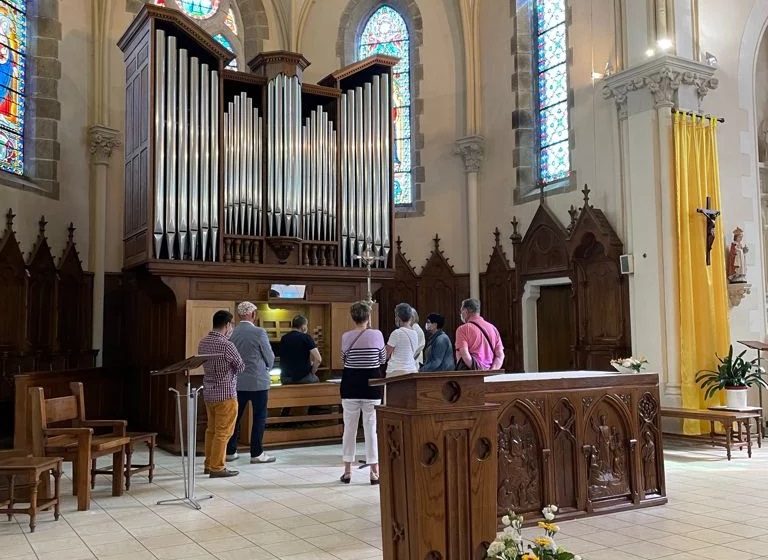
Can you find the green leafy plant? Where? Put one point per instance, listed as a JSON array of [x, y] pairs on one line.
[[731, 372]]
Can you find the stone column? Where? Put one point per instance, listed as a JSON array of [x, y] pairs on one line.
[[471, 150], [101, 141], [644, 95]]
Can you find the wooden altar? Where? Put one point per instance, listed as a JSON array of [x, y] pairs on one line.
[[588, 442]]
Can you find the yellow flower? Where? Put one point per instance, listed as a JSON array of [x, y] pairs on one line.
[[542, 542], [551, 527], [530, 556]]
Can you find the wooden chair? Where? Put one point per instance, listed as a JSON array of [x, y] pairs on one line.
[[77, 443]]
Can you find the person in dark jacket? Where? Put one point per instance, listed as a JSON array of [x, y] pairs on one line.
[[438, 352]]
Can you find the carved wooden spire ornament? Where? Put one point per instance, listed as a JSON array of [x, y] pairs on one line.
[[496, 237], [573, 212], [586, 192], [71, 232], [42, 223], [515, 237], [9, 219]]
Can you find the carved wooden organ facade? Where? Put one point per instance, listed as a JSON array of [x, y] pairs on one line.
[[254, 167]]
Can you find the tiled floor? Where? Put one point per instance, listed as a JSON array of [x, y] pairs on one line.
[[295, 509]]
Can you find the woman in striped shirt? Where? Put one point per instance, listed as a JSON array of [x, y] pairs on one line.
[[363, 352]]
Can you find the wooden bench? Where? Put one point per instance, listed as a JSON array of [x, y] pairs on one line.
[[728, 418]]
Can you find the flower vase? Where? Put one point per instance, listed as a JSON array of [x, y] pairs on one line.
[[621, 369]]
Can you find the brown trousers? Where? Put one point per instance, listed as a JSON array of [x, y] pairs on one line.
[[221, 425]]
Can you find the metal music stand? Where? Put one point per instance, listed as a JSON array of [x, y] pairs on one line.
[[188, 462], [758, 345]]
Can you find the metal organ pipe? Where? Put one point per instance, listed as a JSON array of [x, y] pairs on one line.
[[342, 127], [214, 164], [368, 161], [170, 147], [183, 192], [160, 62], [376, 167], [359, 175], [194, 154], [385, 160], [205, 164]]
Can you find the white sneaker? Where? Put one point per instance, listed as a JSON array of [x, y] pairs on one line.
[[263, 458], [234, 457]]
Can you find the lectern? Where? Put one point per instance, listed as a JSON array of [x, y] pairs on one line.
[[438, 456], [188, 462]]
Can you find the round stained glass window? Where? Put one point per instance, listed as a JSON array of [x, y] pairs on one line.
[[199, 9]]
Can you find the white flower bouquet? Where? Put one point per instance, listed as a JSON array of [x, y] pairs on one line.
[[629, 365], [509, 544]]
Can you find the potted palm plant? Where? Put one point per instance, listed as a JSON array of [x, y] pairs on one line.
[[734, 374]]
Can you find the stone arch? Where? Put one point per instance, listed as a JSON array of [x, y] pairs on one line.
[[351, 23]]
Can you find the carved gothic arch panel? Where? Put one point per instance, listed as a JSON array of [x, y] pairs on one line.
[[565, 454], [521, 467], [13, 290], [42, 294], [542, 252], [608, 449]]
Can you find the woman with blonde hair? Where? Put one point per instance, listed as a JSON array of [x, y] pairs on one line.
[[363, 353]]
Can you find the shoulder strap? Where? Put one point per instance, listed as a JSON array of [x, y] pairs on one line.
[[344, 354], [485, 334]]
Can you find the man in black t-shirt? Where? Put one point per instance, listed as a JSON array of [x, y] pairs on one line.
[[299, 356]]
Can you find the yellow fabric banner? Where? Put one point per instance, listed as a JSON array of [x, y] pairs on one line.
[[703, 290]]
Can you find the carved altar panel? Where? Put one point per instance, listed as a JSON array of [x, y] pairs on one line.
[[521, 469], [607, 451], [651, 459], [565, 454], [41, 295], [13, 290]]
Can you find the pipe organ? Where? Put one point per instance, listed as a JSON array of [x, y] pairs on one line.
[[253, 167]]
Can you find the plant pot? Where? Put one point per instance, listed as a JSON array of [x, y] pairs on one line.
[[736, 397]]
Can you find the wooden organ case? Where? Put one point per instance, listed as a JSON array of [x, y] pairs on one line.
[[237, 181]]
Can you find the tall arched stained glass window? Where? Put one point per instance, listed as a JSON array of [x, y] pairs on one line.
[[551, 68], [385, 32], [13, 50]]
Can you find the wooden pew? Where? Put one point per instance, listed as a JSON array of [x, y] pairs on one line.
[[727, 418]]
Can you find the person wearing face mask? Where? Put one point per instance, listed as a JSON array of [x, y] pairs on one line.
[[220, 392], [478, 342], [438, 352], [403, 343], [253, 385]]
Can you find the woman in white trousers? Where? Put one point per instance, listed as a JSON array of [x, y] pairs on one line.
[[363, 352]]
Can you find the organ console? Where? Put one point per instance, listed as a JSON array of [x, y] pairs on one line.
[[238, 181], [253, 167]]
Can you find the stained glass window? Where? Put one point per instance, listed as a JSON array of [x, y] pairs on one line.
[[200, 9], [13, 50], [385, 32], [223, 41], [554, 156], [230, 21]]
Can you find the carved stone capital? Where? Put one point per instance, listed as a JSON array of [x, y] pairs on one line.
[[736, 292], [471, 149], [101, 141], [662, 77]]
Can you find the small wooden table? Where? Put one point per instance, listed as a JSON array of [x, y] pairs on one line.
[[148, 438], [727, 418], [31, 468], [749, 413]]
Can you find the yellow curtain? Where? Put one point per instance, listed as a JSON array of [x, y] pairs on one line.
[[704, 328]]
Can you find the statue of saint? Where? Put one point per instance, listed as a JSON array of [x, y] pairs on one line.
[[737, 264]]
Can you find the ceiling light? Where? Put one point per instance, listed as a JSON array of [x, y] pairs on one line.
[[664, 44], [649, 53]]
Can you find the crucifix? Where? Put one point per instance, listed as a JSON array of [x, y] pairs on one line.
[[711, 215], [367, 259]]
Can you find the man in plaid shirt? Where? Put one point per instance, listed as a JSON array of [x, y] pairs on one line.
[[220, 392]]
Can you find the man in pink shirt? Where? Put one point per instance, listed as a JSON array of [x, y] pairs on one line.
[[478, 343]]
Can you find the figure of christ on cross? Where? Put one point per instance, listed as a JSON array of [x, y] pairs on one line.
[[711, 215]]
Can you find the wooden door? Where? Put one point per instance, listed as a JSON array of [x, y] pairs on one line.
[[199, 322], [341, 322], [554, 326]]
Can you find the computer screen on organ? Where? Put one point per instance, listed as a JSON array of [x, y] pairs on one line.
[[287, 291]]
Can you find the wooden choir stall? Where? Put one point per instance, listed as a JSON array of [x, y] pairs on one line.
[[253, 186]]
